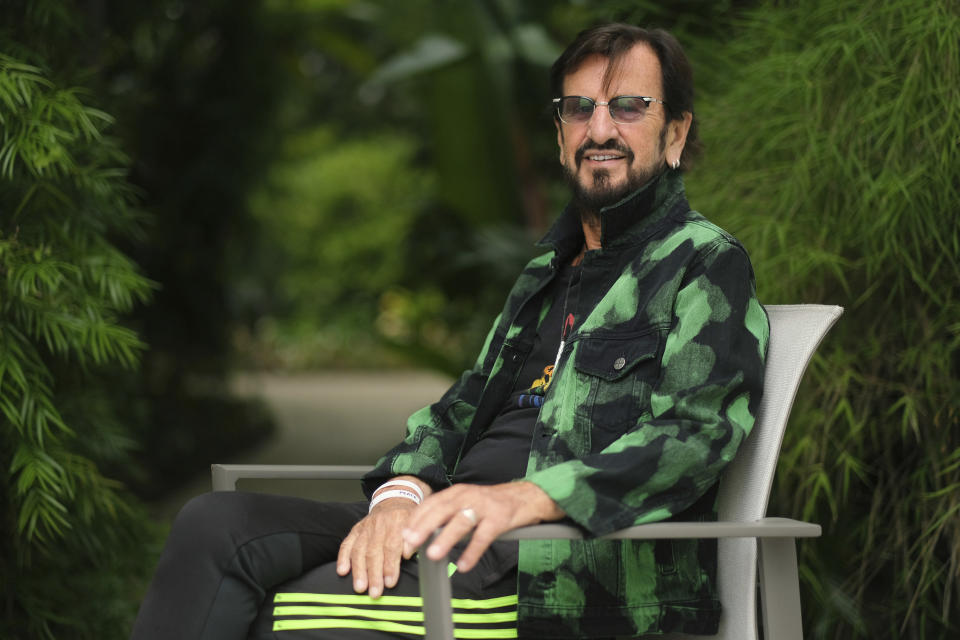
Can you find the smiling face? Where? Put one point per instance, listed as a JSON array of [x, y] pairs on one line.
[[604, 161]]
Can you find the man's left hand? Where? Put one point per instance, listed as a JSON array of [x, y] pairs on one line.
[[487, 511]]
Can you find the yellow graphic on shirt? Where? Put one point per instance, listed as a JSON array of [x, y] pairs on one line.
[[534, 395], [542, 384]]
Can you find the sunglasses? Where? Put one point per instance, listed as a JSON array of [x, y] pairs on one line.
[[623, 109]]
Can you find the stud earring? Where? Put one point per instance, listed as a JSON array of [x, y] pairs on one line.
[[676, 164]]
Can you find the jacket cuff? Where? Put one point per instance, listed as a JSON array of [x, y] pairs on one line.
[[559, 482]]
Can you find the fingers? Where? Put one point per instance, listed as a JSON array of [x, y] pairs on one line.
[[343, 555], [392, 554], [484, 533], [457, 527], [483, 537], [359, 572], [373, 549], [434, 513], [383, 558], [373, 562], [487, 511], [448, 512]]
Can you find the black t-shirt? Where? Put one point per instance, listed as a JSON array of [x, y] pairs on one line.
[[500, 455]]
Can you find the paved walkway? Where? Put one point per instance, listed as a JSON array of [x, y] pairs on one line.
[[326, 418]]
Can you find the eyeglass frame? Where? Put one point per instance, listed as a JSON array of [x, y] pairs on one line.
[[604, 103]]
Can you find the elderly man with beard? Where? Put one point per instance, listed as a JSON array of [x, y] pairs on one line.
[[620, 378]]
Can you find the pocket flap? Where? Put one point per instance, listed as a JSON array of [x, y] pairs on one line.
[[612, 357]]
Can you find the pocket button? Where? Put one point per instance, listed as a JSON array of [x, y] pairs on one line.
[[619, 363]]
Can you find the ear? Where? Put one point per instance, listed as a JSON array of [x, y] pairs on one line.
[[677, 136], [559, 138]]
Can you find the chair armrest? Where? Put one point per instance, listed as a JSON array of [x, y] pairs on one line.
[[763, 528], [225, 476]]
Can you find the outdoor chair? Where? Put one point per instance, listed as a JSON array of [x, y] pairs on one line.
[[795, 333]]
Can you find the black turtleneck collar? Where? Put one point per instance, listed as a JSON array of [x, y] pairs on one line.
[[622, 222]]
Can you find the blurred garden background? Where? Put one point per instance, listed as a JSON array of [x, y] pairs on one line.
[[196, 191]]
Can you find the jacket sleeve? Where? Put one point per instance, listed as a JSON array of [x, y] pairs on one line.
[[702, 406], [436, 432]]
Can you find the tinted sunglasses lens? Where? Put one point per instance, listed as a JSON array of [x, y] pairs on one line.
[[627, 109], [576, 109]]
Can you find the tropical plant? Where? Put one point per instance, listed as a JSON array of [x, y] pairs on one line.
[[66, 529], [333, 239], [407, 202], [833, 153]]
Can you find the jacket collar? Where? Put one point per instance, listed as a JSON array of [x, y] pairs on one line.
[[623, 223]]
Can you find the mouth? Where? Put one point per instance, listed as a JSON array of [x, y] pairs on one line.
[[596, 156], [605, 155]]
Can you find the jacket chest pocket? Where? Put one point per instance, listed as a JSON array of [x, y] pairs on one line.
[[620, 370]]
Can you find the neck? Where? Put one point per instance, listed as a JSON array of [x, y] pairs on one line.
[[592, 232], [641, 201]]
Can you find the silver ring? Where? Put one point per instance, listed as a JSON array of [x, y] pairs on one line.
[[470, 515]]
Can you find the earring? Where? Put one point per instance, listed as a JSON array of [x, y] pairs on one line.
[[676, 164]]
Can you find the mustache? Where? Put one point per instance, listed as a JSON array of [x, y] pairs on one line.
[[609, 145]]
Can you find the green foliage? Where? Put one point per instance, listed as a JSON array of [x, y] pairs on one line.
[[833, 155], [364, 232], [328, 194], [334, 216], [63, 288]]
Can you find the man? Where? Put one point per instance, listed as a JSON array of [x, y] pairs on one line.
[[619, 380]]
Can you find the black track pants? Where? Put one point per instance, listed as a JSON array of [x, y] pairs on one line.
[[245, 565]]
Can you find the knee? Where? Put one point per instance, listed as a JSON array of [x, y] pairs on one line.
[[210, 521]]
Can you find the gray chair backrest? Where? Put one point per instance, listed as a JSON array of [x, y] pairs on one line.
[[795, 333]]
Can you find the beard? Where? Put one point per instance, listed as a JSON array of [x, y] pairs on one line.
[[591, 198]]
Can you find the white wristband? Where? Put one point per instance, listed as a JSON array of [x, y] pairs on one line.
[[403, 483], [393, 493]]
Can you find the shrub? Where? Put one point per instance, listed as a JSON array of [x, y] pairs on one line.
[[71, 542], [834, 156]]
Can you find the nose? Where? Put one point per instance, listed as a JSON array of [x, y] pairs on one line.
[[601, 126]]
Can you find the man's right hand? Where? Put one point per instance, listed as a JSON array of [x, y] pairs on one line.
[[373, 548]]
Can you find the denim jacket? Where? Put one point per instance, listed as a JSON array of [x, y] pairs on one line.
[[651, 397]]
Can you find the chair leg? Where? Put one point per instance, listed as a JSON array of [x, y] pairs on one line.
[[436, 594], [780, 589]]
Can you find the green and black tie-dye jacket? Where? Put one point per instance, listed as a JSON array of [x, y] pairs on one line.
[[653, 394]]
